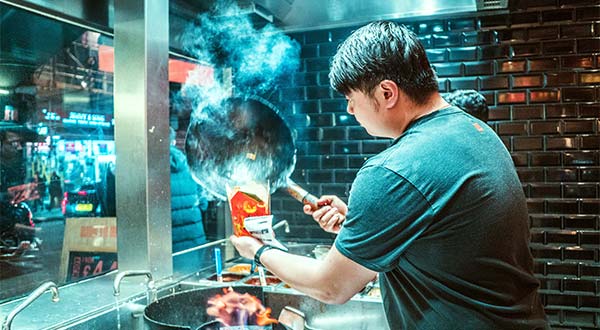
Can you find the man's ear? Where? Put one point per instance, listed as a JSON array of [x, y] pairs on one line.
[[389, 93]]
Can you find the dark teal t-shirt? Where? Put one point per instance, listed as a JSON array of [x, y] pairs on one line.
[[442, 216]]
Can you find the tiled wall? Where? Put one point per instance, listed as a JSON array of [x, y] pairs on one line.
[[539, 68]]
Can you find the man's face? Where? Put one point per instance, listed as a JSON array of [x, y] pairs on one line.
[[366, 111], [11, 146]]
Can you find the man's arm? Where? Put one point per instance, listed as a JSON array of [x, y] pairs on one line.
[[326, 280]]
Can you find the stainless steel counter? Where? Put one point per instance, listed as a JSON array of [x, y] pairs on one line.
[[91, 305], [77, 302]]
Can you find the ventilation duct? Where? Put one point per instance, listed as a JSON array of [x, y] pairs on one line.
[[254, 8], [297, 15], [491, 4]]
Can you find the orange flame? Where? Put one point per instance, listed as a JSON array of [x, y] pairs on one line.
[[234, 308]]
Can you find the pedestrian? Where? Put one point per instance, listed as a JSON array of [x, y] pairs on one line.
[[187, 202], [440, 214], [40, 187], [55, 190], [108, 199]]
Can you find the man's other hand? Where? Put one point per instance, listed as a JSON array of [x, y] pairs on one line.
[[331, 213]]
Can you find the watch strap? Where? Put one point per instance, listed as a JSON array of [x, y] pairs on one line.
[[260, 251]]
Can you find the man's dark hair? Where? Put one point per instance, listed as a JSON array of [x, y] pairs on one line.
[[383, 50], [470, 101]]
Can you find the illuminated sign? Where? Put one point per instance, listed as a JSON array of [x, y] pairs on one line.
[[50, 116], [10, 114], [42, 130], [179, 71], [86, 119]]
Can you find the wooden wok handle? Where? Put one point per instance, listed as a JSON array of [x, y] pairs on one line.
[[302, 195]]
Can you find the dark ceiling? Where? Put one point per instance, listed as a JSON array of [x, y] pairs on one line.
[[27, 41]]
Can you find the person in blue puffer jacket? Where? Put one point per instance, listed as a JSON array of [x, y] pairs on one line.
[[187, 202]]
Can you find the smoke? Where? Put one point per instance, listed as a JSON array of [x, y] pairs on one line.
[[258, 58], [234, 137]]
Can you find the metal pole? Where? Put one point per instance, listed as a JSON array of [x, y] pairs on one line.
[[142, 136]]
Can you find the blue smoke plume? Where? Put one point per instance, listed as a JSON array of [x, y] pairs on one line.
[[259, 58]]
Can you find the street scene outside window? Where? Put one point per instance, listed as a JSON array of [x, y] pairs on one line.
[[57, 153]]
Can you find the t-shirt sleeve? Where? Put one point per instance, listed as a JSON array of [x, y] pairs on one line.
[[386, 213]]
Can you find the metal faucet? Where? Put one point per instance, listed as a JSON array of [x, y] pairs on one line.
[[125, 273], [226, 239], [282, 223], [205, 245], [32, 296]]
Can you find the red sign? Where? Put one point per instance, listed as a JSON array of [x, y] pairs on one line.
[[23, 192], [179, 71]]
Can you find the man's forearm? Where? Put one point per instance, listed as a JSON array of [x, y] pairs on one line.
[[319, 279], [301, 273]]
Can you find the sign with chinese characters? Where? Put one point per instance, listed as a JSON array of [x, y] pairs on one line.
[[23, 192]]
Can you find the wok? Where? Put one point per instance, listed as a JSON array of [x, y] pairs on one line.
[[242, 139], [187, 310]]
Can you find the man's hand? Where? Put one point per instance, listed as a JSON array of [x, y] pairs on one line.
[[331, 213], [246, 245]]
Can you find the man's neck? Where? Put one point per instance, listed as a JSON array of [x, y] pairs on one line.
[[409, 111], [433, 104]]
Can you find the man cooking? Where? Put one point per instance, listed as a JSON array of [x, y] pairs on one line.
[[440, 214]]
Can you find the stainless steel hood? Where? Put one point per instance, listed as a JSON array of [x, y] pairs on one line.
[[297, 15]]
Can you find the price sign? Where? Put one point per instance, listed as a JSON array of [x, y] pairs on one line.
[[86, 264], [89, 247]]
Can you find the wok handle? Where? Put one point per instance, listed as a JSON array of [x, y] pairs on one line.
[[302, 195]]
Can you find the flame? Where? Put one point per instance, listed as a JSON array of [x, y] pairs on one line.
[[265, 317], [233, 308]]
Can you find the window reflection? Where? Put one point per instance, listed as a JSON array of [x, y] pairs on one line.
[[57, 153]]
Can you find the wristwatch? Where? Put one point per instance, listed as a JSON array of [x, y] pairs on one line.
[[261, 251]]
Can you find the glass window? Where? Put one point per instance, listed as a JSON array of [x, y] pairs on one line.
[[57, 161], [57, 155]]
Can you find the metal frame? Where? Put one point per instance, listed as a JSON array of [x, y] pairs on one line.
[[141, 36], [61, 16], [142, 136]]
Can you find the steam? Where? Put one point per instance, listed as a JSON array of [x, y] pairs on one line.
[[224, 38], [247, 61]]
